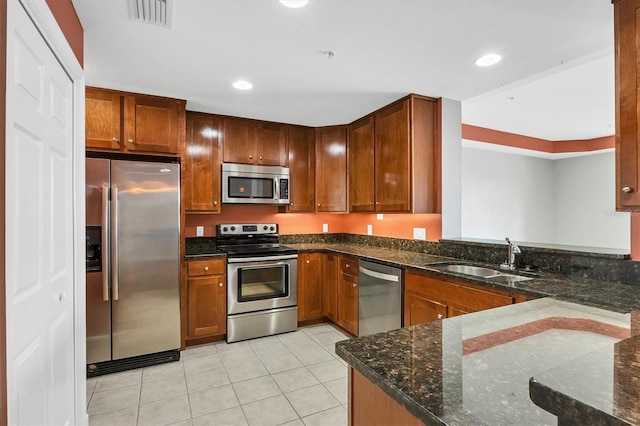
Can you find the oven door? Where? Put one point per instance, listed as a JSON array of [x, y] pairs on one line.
[[261, 283]]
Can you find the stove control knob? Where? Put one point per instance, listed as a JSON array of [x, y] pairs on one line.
[[273, 228], [233, 228], [265, 227], [225, 229]]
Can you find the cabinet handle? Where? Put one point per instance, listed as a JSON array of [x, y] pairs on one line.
[[348, 266], [220, 284], [260, 157], [215, 203], [440, 316], [206, 268], [318, 204], [355, 285], [250, 157], [291, 204], [627, 190], [307, 261], [115, 139], [377, 203], [370, 203], [132, 141]]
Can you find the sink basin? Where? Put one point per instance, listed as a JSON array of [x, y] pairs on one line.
[[481, 272]]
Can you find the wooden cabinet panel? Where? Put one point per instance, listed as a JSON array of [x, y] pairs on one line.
[[393, 158], [428, 298], [419, 309], [309, 286], [348, 295], [151, 124], [203, 157], [238, 137], [361, 165], [270, 146], [102, 119], [302, 169], [206, 314], [254, 142], [331, 169], [369, 405], [627, 60], [330, 286], [130, 122], [207, 306]]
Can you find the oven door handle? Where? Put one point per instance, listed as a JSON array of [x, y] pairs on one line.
[[260, 258]]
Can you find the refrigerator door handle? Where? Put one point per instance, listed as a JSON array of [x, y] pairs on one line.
[[114, 242], [105, 248]]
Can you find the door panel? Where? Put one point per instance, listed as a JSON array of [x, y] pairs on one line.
[[145, 307], [39, 243]]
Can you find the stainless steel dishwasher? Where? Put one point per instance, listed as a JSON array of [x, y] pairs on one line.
[[380, 298]]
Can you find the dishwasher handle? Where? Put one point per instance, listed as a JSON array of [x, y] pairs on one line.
[[380, 275]]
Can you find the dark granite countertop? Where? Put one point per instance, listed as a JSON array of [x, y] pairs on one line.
[[475, 368]]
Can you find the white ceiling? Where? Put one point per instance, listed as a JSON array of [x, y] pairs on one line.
[[557, 59]]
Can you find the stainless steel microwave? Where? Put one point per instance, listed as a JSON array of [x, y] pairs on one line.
[[249, 184]]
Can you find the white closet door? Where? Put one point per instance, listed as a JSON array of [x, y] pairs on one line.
[[39, 229]]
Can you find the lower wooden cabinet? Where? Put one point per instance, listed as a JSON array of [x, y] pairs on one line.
[[309, 286], [206, 298], [428, 298], [348, 294], [330, 263]]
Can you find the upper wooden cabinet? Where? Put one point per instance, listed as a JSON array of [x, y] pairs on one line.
[[361, 165], [331, 169], [130, 122], [254, 142], [627, 59], [203, 157], [302, 169], [392, 158]]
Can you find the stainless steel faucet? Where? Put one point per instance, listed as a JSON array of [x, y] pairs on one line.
[[513, 249]]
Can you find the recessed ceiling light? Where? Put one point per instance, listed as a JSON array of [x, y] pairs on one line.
[[242, 85], [294, 3], [488, 60]]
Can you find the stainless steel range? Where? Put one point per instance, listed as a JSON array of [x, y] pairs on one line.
[[262, 281]]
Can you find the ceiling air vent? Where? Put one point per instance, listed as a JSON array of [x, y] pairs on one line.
[[155, 12]]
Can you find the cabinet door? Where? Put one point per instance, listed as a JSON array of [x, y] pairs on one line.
[[309, 286], [627, 32], [302, 168], [419, 309], [330, 286], [361, 166], [102, 119], [331, 169], [270, 145], [237, 140], [393, 158], [206, 306], [152, 124], [348, 303], [203, 156]]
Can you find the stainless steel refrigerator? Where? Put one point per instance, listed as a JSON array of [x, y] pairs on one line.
[[133, 263]]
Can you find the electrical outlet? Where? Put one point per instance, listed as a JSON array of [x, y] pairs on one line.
[[369, 229], [325, 227], [419, 233], [199, 231], [380, 216]]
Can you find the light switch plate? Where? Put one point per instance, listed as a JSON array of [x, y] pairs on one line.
[[325, 227], [199, 231], [369, 229], [380, 216], [419, 233]]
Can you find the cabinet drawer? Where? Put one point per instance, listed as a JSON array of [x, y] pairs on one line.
[[205, 267], [468, 298], [349, 266]]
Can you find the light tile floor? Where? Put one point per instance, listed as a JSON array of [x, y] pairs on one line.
[[290, 379]]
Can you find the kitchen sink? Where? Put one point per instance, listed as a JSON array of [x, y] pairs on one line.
[[478, 271]]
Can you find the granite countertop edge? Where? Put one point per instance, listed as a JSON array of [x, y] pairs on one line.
[[415, 408]]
